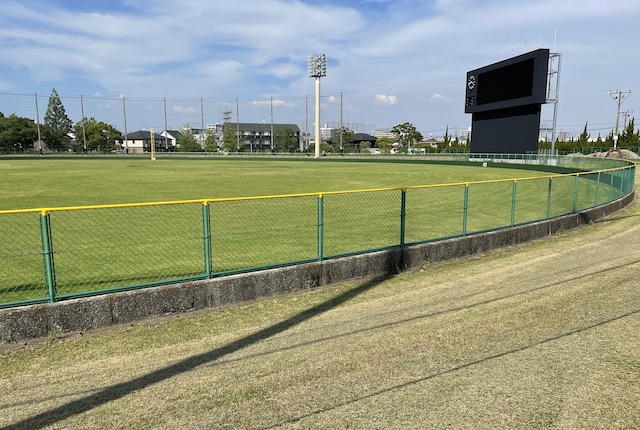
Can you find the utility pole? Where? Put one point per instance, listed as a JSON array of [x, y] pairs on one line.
[[619, 97], [626, 114]]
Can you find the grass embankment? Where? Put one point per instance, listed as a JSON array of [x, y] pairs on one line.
[[536, 337]]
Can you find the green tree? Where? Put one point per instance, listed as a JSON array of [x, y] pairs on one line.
[[406, 134], [230, 138], [17, 133], [98, 135], [446, 140], [285, 139], [187, 141], [608, 141], [384, 143], [583, 139], [342, 137], [210, 141], [599, 142], [629, 137], [57, 124], [324, 148]]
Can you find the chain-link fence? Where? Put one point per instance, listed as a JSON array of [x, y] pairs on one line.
[[131, 114], [58, 253]]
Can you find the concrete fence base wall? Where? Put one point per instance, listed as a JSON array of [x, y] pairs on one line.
[[34, 321]]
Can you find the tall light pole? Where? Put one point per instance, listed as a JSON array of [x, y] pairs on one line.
[[317, 68]]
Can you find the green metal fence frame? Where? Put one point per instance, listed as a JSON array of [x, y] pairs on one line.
[[620, 178]]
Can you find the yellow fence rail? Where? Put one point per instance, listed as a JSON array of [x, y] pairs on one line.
[[51, 254]]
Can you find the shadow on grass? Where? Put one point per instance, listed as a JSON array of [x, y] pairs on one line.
[[123, 389], [455, 369], [425, 315], [616, 218], [120, 390]]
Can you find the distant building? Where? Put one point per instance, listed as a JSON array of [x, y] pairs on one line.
[[565, 136], [172, 137], [383, 132], [358, 141], [139, 142], [258, 136]]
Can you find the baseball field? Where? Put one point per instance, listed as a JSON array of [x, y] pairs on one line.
[[538, 336]]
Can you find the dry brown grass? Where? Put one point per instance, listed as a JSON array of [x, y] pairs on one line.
[[540, 336]]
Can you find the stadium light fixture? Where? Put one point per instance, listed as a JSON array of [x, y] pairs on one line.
[[317, 67]]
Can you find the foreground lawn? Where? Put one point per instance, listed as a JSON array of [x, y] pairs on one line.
[[536, 337]]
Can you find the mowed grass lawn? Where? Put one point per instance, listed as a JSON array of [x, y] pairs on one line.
[[540, 336], [49, 182], [99, 249]]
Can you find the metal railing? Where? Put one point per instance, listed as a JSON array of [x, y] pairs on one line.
[[52, 254]]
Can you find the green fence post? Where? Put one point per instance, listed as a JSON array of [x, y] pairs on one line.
[[465, 208], [622, 175], [403, 214], [549, 197], [206, 235], [597, 187], [611, 186], [513, 204], [320, 226], [575, 194], [47, 253], [626, 180]]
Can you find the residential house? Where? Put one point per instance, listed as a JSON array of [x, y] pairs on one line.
[[139, 142], [172, 138], [358, 141]]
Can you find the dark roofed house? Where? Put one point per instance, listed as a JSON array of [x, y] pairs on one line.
[[364, 137], [356, 143], [172, 137]]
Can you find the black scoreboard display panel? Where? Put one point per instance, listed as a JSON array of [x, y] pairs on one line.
[[516, 81], [505, 99]]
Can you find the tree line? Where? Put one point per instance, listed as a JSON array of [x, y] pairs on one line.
[[628, 138], [18, 134]]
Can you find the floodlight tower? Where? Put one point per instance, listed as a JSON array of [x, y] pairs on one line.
[[317, 68]]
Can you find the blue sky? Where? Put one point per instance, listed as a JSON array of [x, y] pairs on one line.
[[393, 61]]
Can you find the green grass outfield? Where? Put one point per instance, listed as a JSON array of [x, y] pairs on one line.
[[106, 248], [76, 181]]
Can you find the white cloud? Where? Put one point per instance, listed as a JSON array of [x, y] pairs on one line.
[[419, 52], [184, 109], [382, 99], [274, 102], [435, 97]]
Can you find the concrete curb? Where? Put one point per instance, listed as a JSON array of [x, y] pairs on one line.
[[35, 321]]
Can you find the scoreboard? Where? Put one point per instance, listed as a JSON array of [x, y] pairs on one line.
[[505, 99]]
